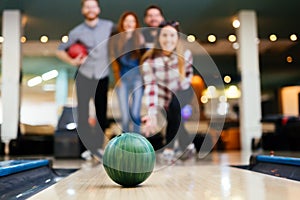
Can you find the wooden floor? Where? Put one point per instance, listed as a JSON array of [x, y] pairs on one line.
[[208, 178]]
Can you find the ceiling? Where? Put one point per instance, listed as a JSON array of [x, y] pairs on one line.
[[55, 18], [200, 17]]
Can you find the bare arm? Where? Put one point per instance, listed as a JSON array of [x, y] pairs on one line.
[[116, 72]]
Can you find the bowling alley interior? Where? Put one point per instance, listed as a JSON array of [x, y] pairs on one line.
[[243, 118]]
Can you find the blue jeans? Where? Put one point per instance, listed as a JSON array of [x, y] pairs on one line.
[[130, 94]]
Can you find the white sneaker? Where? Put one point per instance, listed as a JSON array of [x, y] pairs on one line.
[[168, 154], [189, 152], [191, 147], [86, 155], [99, 155]]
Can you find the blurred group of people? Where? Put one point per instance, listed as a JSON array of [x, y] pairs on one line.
[[147, 62]]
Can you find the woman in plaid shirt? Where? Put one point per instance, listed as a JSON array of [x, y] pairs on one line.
[[167, 71]]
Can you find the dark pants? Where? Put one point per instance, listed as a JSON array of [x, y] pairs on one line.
[[175, 124], [91, 89]]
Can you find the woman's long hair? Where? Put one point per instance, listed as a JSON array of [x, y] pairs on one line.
[[120, 40]]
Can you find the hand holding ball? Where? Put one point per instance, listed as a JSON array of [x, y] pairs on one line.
[[129, 159]]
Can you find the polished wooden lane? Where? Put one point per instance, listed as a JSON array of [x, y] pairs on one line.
[[206, 181]]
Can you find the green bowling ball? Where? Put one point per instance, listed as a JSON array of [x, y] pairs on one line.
[[129, 159]]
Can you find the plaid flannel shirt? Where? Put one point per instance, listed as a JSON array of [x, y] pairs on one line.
[[162, 79]]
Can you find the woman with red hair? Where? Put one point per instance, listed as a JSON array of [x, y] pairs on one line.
[[125, 53]]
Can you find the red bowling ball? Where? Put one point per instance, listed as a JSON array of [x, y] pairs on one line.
[[76, 50]]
